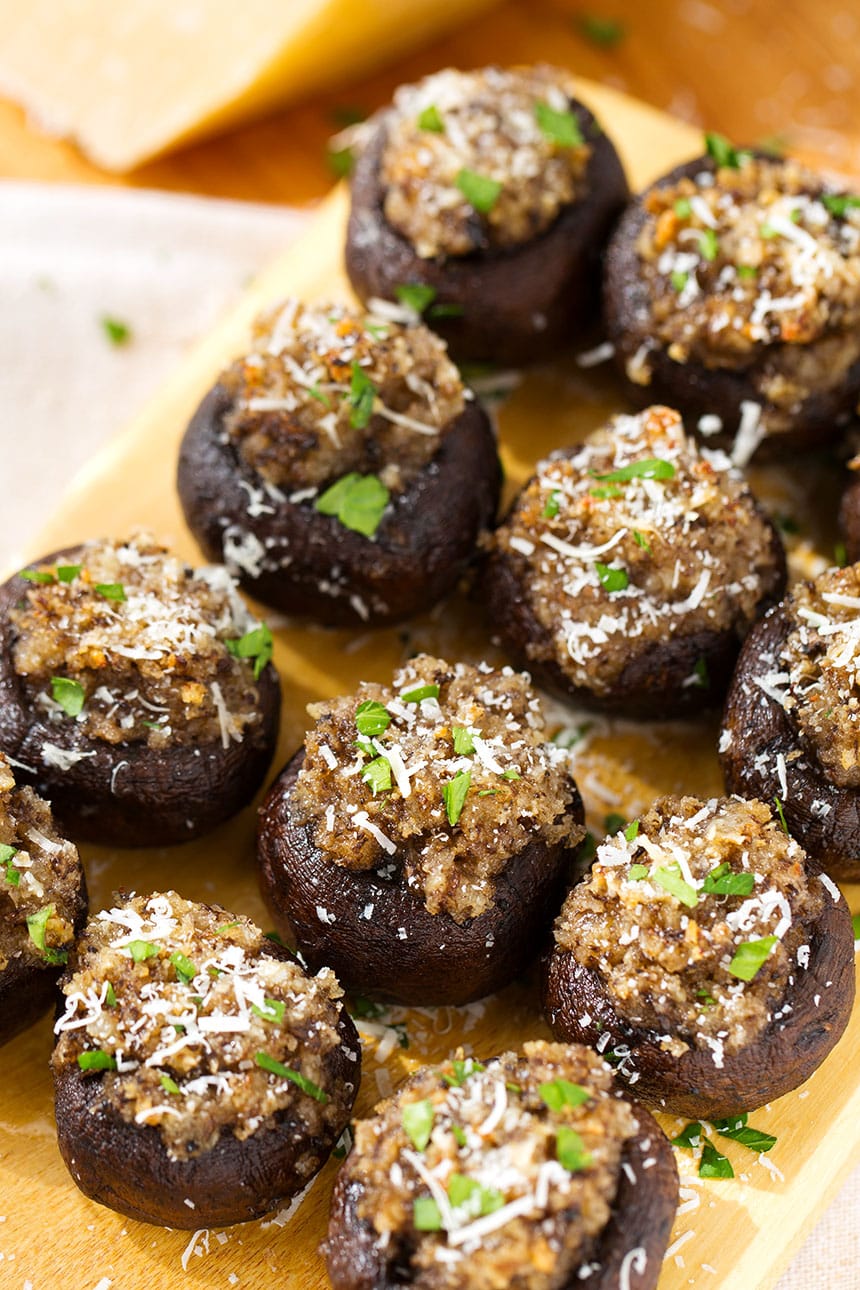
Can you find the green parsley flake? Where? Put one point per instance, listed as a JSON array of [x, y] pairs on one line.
[[96, 1059], [431, 119], [13, 877], [272, 1010], [642, 541], [417, 296], [551, 505], [840, 555], [110, 996], [36, 575], [454, 795], [713, 1164], [559, 127], [632, 831], [570, 1150], [559, 1093], [257, 644], [839, 204], [340, 161], [723, 882], [267, 1063], [480, 191], [372, 718], [682, 208], [781, 815], [226, 927], [377, 775], [117, 332], [603, 494], [69, 694], [511, 773], [678, 279], [357, 501], [184, 968], [140, 951], [690, 1137], [461, 1069], [749, 957], [68, 572], [606, 32], [612, 579], [109, 590], [37, 927], [169, 1085], [650, 468], [464, 744], [737, 1130], [459, 1135], [362, 394], [426, 1215], [747, 271], [417, 1120], [420, 692], [855, 923], [614, 822], [708, 245], [473, 1197], [701, 674], [670, 880], [637, 872], [724, 153]]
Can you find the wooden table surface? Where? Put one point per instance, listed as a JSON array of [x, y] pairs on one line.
[[755, 69]]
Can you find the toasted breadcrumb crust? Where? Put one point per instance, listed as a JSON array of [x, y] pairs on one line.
[[490, 126], [297, 419], [183, 999], [613, 565], [663, 945], [511, 1213], [142, 638], [40, 878], [378, 802], [764, 258]]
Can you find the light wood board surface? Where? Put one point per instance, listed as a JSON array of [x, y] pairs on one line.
[[744, 1230]]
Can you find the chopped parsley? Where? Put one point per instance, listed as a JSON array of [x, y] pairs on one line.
[[606, 32], [707, 1000], [614, 822], [713, 1164], [723, 882], [724, 153], [169, 1085], [603, 494], [357, 501], [463, 741], [117, 331], [96, 1059], [840, 555], [140, 951], [426, 1215], [690, 1137], [839, 204], [372, 718], [429, 691], [183, 967], [701, 674], [480, 191], [570, 1150], [632, 831], [749, 957], [637, 872], [559, 127], [417, 1120], [559, 1093], [708, 245], [511, 773], [670, 880], [13, 876], [226, 927], [650, 468], [109, 590], [682, 208], [678, 279], [781, 813], [37, 575], [37, 927], [68, 572], [459, 1135], [256, 644], [110, 996], [737, 1130], [642, 541], [472, 1196], [340, 161], [461, 1069], [454, 795], [611, 579], [362, 393], [431, 119], [747, 271], [417, 296], [551, 504], [69, 694], [855, 923], [377, 775], [267, 1063]]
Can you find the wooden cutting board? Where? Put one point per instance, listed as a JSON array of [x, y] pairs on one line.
[[744, 1231]]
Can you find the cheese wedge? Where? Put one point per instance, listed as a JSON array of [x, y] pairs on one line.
[[129, 79]]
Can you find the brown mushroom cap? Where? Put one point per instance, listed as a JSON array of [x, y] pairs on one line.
[[517, 304]]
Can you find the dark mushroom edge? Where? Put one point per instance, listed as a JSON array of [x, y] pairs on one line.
[[730, 293], [630, 568], [430, 899], [511, 303], [43, 905], [258, 474], [232, 1117], [89, 722], [388, 1227], [789, 727], [849, 514], [710, 1004]]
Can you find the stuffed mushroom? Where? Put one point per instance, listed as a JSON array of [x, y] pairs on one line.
[[704, 957], [420, 840], [790, 728], [43, 904], [530, 1170], [630, 568], [201, 1077], [485, 199], [732, 291], [136, 693], [341, 469]]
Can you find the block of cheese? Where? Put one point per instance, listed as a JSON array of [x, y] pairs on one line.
[[129, 79]]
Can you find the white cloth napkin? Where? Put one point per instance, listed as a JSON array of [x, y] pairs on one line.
[[166, 267]]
